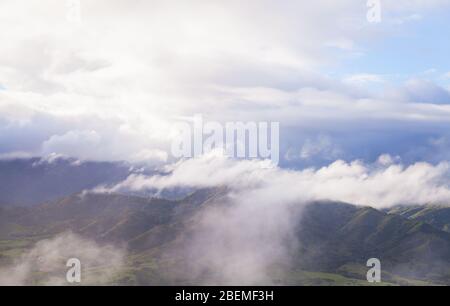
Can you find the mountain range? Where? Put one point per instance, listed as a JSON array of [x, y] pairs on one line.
[[331, 242]]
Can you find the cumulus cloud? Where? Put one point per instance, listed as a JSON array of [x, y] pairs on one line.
[[322, 146], [115, 78], [48, 258]]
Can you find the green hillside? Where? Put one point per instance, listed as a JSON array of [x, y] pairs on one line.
[[334, 239]]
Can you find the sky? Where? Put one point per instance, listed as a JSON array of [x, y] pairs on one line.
[[111, 84]]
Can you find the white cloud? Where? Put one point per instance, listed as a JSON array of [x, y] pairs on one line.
[[157, 156], [321, 146], [384, 184], [387, 160], [49, 258], [69, 142], [137, 70]]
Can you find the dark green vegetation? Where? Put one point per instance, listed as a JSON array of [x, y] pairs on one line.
[[334, 239], [436, 215], [339, 237]]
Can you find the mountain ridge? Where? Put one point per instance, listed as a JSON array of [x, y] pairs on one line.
[[333, 237]]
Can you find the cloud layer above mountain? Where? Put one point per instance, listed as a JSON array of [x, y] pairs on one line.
[[384, 183]]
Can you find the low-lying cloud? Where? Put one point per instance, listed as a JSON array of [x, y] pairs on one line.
[[45, 263], [384, 183]]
